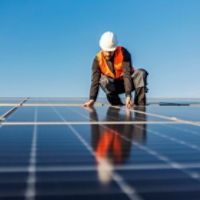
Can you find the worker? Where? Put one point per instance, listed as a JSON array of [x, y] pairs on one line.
[[112, 70]]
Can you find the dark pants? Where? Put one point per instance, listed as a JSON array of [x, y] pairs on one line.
[[113, 87]]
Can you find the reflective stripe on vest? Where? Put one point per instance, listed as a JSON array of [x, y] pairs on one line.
[[118, 60]]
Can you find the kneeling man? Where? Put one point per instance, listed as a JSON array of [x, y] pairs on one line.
[[112, 70]]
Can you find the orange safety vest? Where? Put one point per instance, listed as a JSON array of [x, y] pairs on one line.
[[118, 60]]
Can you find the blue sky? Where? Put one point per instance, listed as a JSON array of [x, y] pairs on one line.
[[47, 46]]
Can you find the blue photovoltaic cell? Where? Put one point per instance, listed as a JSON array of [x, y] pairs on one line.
[[191, 113], [22, 114], [4, 109], [58, 145], [76, 184], [15, 145], [47, 113]]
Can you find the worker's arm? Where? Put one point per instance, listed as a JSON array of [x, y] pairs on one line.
[[127, 71], [94, 88]]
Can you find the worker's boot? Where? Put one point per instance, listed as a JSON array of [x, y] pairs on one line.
[[140, 97], [114, 99]]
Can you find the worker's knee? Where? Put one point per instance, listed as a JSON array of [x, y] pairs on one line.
[[107, 84], [141, 73], [139, 78]]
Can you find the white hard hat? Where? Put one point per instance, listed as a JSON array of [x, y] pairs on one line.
[[108, 41]]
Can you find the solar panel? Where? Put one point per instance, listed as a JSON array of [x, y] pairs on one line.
[[106, 152], [190, 113], [79, 114], [55, 101], [4, 109]]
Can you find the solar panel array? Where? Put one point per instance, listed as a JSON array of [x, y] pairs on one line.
[[52, 148]]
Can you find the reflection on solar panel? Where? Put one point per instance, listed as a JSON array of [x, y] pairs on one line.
[[52, 148]]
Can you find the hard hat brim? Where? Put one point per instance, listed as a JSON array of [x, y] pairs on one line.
[[109, 49]]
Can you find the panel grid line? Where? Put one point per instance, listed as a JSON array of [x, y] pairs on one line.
[[192, 174], [174, 165], [196, 123], [30, 191], [93, 122], [93, 168], [162, 156], [170, 138], [128, 190], [185, 130]]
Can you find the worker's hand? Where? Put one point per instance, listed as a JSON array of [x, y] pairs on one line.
[[88, 104], [129, 103], [90, 109]]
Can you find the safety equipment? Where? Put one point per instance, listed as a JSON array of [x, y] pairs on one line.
[[118, 60], [108, 41]]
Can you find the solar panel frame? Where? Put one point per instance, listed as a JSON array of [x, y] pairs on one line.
[[61, 161]]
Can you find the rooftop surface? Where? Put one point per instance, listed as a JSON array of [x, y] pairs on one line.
[[52, 148]]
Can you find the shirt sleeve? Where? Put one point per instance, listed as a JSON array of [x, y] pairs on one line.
[[96, 75], [127, 71]]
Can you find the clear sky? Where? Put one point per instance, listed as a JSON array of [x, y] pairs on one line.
[[47, 46]]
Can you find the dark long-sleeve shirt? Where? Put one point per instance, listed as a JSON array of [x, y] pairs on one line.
[[126, 70]]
